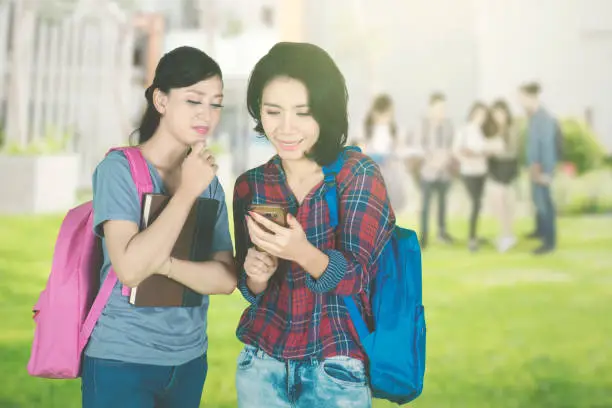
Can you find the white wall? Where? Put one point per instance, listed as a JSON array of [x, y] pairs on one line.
[[563, 44], [420, 46], [478, 49]]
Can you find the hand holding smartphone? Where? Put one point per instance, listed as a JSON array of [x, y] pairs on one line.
[[274, 212]]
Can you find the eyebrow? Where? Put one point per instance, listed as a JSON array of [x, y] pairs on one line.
[[195, 91], [273, 105]]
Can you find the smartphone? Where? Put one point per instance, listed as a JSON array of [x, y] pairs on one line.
[[274, 212]]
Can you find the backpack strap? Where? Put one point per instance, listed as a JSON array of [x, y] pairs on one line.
[[329, 176], [139, 169], [331, 197], [142, 178], [97, 307]]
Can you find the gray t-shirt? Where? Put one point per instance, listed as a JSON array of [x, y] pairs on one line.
[[156, 336]]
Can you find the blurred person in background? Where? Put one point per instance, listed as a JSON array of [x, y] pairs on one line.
[[434, 138], [472, 148], [541, 152], [503, 172], [381, 143], [380, 129]]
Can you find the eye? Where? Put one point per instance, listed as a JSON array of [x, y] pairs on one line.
[[272, 112], [194, 102], [216, 105], [304, 114]]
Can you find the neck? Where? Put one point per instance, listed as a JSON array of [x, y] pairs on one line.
[[301, 168], [164, 151]]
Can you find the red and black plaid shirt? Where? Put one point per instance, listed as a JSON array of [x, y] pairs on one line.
[[299, 317]]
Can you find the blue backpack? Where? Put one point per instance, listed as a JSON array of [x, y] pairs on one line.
[[396, 346]]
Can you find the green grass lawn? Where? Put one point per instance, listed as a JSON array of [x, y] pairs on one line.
[[503, 330]]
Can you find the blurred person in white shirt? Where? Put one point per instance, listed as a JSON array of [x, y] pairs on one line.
[[381, 142], [472, 147]]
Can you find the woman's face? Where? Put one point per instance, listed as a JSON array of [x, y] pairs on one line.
[[384, 117], [500, 116], [286, 118], [478, 116], [192, 113]]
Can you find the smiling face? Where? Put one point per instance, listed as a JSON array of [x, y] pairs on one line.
[[192, 113], [286, 118]]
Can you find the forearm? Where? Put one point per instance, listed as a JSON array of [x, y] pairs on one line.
[[148, 250], [332, 272], [207, 278], [313, 261]]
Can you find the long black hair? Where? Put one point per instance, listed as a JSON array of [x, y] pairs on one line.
[[502, 105], [382, 103], [179, 68], [488, 127]]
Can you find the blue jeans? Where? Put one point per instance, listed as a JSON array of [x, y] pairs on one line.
[[117, 384], [263, 381], [545, 214]]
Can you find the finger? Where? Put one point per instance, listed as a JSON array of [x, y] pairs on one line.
[[272, 226], [206, 154], [257, 232], [256, 270], [292, 222], [258, 242], [198, 147], [270, 248], [265, 259]]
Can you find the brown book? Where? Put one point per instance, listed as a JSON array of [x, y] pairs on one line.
[[193, 244]]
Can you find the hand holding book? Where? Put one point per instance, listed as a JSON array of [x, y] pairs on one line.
[[193, 244]]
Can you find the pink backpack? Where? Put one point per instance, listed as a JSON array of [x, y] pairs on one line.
[[70, 305]]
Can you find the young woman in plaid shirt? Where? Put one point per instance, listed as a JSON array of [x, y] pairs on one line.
[[301, 348]]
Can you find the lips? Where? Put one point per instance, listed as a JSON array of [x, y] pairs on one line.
[[201, 129], [286, 145]]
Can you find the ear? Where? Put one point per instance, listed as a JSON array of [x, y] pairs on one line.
[[160, 100]]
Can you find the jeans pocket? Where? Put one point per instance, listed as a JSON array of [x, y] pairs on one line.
[[344, 371], [246, 358]]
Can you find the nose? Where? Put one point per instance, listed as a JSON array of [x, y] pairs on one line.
[[286, 124], [204, 112]]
